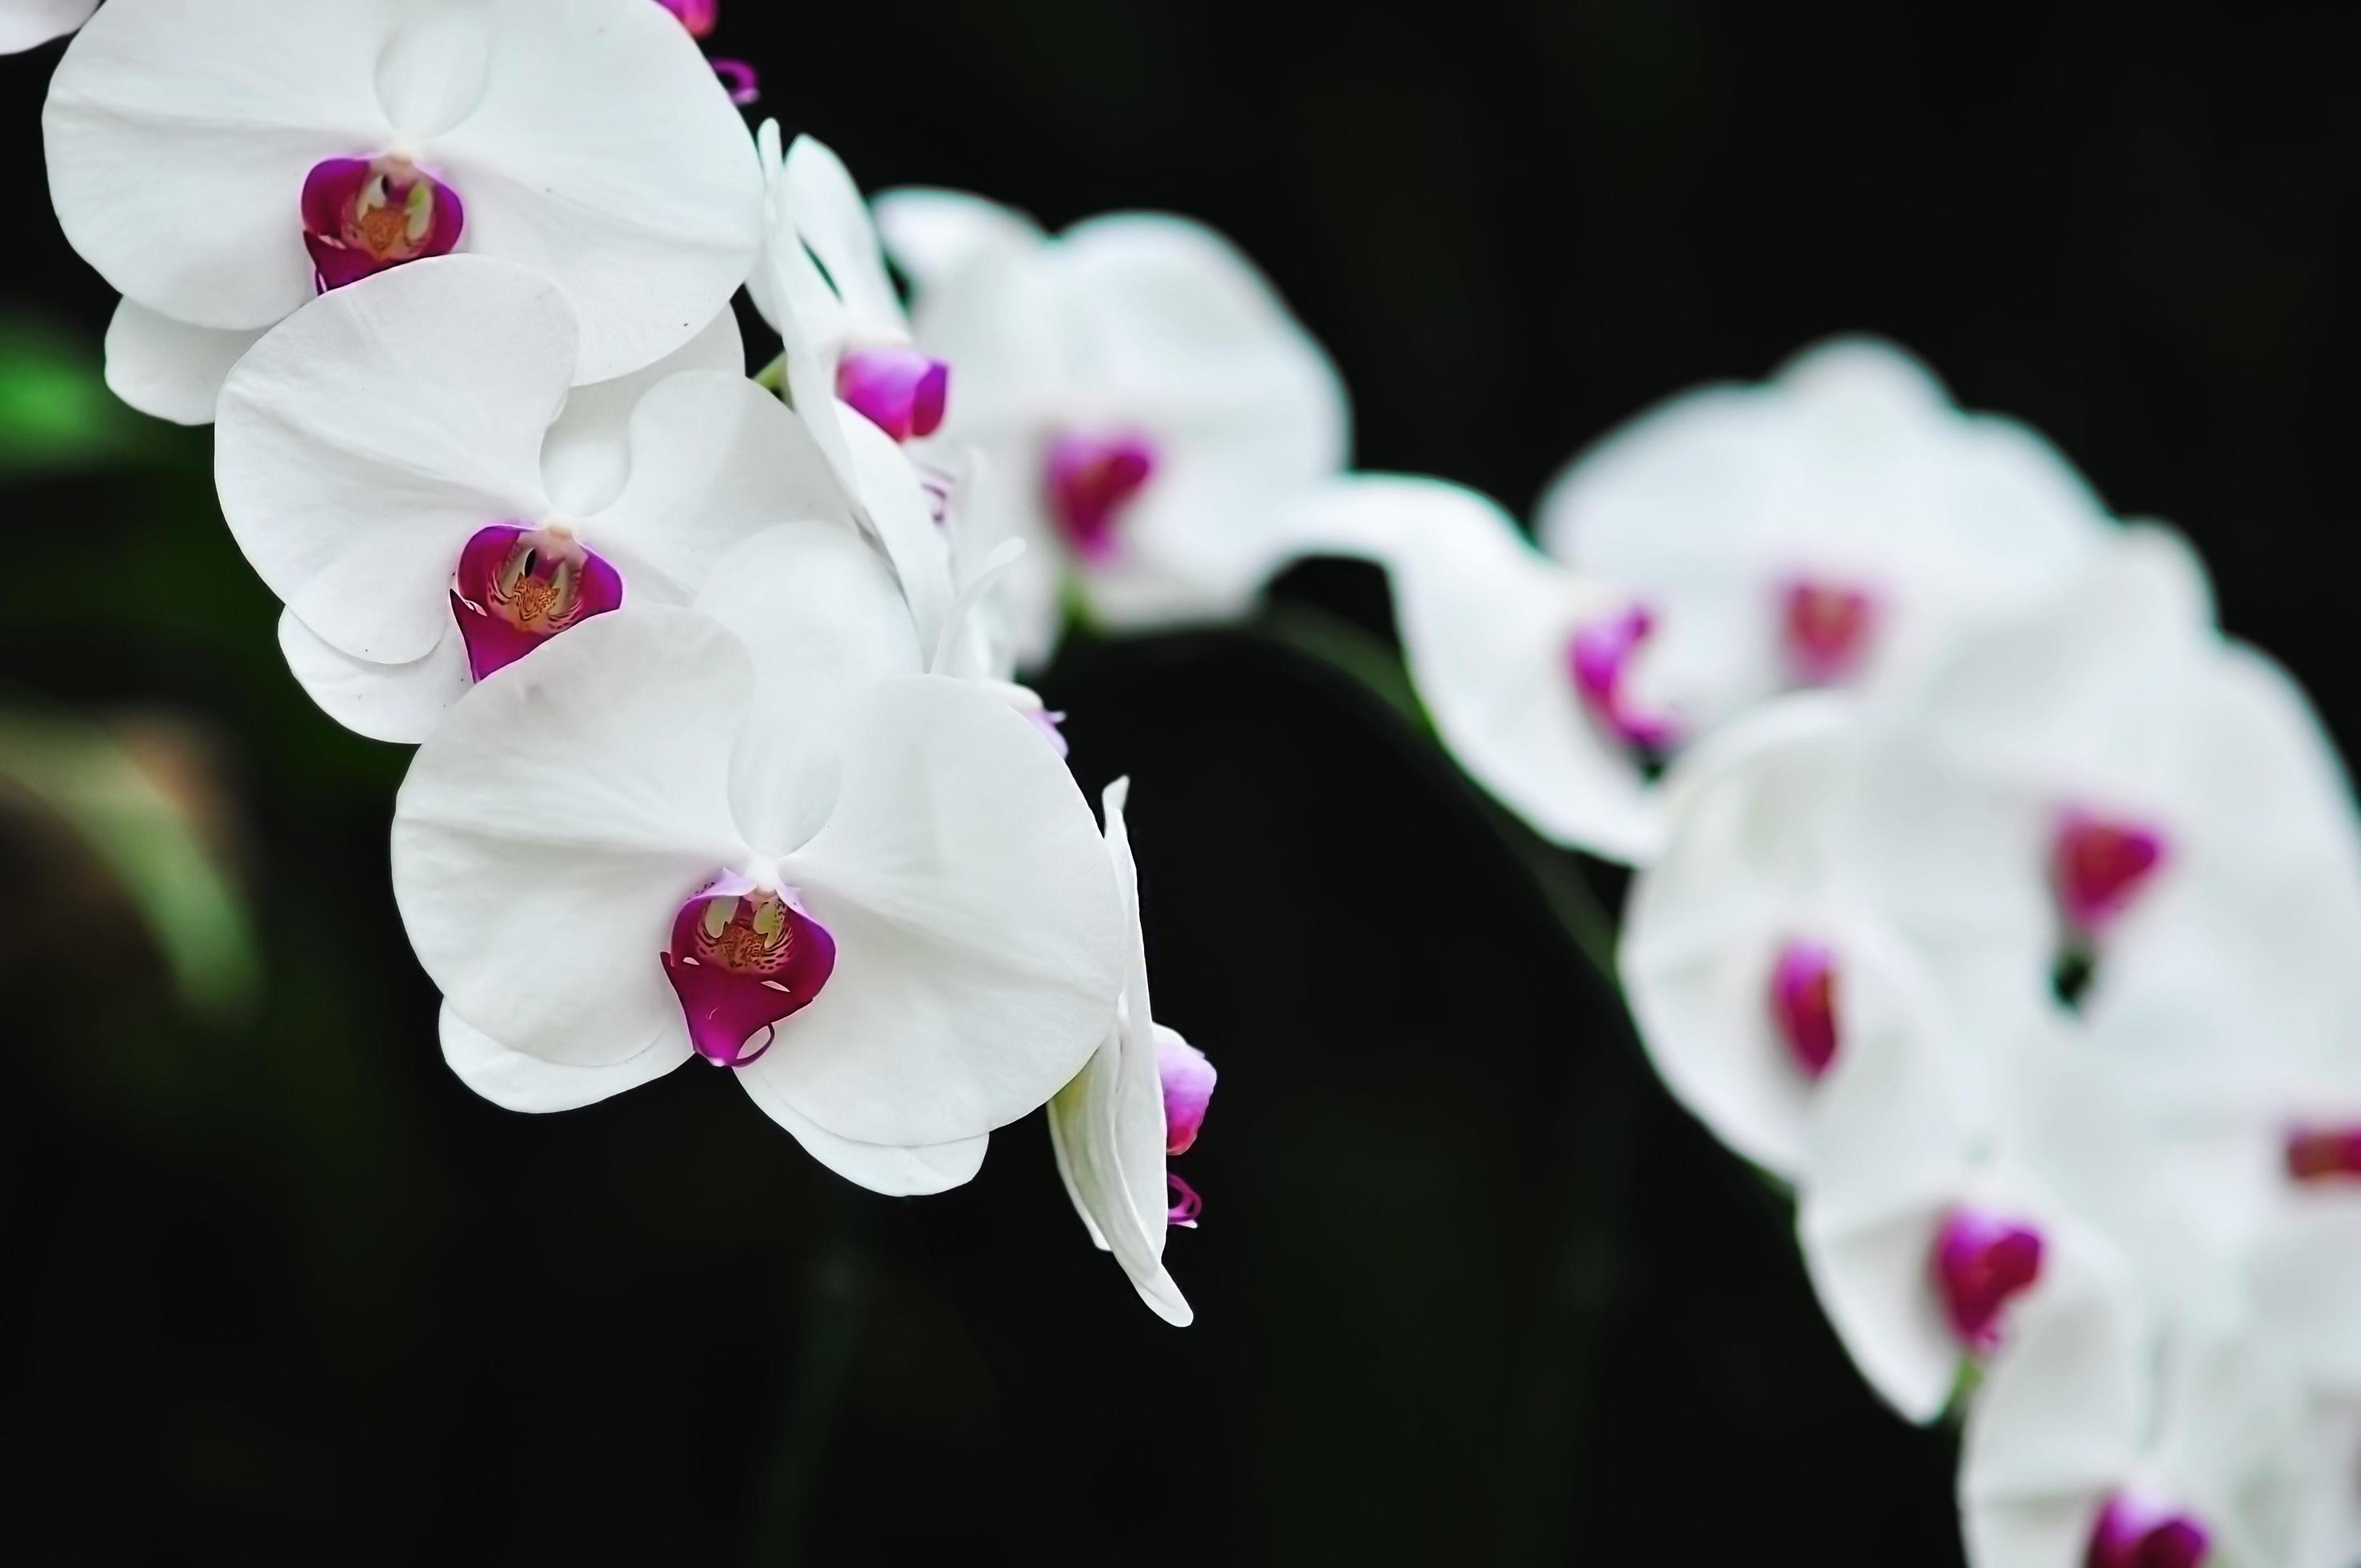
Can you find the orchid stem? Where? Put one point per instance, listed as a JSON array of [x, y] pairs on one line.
[[833, 1303]]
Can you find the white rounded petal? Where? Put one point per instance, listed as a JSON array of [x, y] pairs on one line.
[[516, 1081], [605, 156], [895, 1171], [170, 369], [586, 455], [819, 195], [550, 829], [385, 702], [28, 24], [178, 135], [1485, 626], [2305, 1279], [368, 436], [979, 941], [932, 234]]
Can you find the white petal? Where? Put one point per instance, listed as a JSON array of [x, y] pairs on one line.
[[586, 455], [979, 941], [933, 233], [606, 157], [384, 702], [28, 24], [367, 437], [2306, 1280], [516, 1081], [550, 828], [819, 193], [179, 137], [170, 369], [898, 1172]]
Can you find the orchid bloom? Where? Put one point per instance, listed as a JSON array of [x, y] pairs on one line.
[[1832, 526], [1134, 399], [747, 832], [583, 138], [1142, 1096], [404, 462], [28, 24]]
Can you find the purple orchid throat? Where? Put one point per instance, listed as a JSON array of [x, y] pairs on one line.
[[1804, 1003], [516, 587], [2134, 1534], [743, 958], [1186, 1204], [1982, 1263], [1188, 1080], [362, 216], [1092, 480], [2099, 865], [1828, 628], [1600, 656], [2322, 1154], [900, 390]]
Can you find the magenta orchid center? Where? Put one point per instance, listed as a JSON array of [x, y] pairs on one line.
[[1599, 657], [2134, 1534], [1803, 1004], [1092, 480], [900, 390], [1186, 1204], [1188, 1079], [2100, 865], [1982, 1263], [699, 17], [1826, 628], [2324, 1153], [362, 216], [743, 957], [516, 587]]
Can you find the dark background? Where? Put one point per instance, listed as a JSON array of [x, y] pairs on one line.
[[1469, 1288]]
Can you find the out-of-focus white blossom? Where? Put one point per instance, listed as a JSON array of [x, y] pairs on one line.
[[28, 24]]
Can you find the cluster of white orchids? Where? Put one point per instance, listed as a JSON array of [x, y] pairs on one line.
[[1985, 892]]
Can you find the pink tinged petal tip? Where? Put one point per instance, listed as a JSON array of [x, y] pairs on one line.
[[1982, 1263], [2324, 1153], [699, 17], [739, 77], [899, 390], [1187, 1090], [1091, 479], [362, 216], [1050, 726], [2099, 865], [742, 958], [1828, 628], [1186, 1204], [1803, 1004], [516, 587], [2134, 1534], [1599, 657]]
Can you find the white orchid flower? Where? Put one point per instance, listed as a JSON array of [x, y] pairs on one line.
[[404, 462], [1139, 406], [1142, 1097], [747, 832], [1834, 525], [220, 164], [28, 24], [2103, 1440]]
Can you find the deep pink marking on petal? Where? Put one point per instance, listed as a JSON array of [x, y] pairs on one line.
[[516, 587], [2324, 1154], [1599, 657], [2099, 864], [1186, 1204], [1982, 1262], [1188, 1079], [738, 76], [1826, 628], [1090, 480], [699, 17], [742, 958], [2135, 1534], [362, 216], [900, 390], [1803, 1004]]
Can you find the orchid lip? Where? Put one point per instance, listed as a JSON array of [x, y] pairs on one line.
[[699, 17], [1092, 480], [2324, 1154], [743, 957], [1187, 1083], [1803, 1004], [900, 390], [515, 588], [1982, 1262], [362, 216], [2134, 1533], [1826, 628], [2100, 865], [1598, 656], [1186, 1204]]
